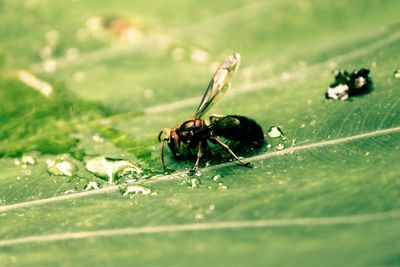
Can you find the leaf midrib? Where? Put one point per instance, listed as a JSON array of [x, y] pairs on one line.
[[225, 225], [178, 175]]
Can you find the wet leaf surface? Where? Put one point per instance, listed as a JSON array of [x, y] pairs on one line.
[[325, 192]]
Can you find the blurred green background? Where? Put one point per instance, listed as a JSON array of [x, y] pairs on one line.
[[118, 72]]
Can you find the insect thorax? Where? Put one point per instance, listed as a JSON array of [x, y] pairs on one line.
[[188, 129]]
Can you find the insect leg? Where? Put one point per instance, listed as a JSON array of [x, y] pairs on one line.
[[226, 147], [162, 153], [196, 164]]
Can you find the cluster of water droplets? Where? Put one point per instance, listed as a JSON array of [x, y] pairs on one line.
[[114, 170], [61, 167], [133, 190], [202, 213], [25, 162], [276, 132], [124, 172]]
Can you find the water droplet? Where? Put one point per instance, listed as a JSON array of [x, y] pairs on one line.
[[194, 182], [28, 160], [97, 138], [275, 131], [49, 65], [60, 168], [136, 190], [131, 181], [17, 162], [216, 177], [397, 74], [269, 146], [222, 187], [280, 146], [197, 173], [199, 216], [114, 169], [91, 186]]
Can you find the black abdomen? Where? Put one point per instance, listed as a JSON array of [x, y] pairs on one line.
[[239, 128]]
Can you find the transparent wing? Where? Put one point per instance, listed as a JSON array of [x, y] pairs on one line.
[[219, 84]]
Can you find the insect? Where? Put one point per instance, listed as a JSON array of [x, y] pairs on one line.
[[349, 84], [195, 133]]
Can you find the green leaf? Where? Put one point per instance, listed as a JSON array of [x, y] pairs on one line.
[[325, 194]]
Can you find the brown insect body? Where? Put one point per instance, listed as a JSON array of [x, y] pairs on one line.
[[187, 134], [195, 133]]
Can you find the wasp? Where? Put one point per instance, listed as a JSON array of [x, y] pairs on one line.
[[195, 133]]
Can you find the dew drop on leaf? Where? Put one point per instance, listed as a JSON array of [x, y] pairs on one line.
[[113, 170], [60, 168], [28, 160], [199, 216], [222, 187], [91, 186], [216, 177], [97, 138], [70, 191], [135, 190], [194, 182], [275, 132], [280, 146], [397, 74]]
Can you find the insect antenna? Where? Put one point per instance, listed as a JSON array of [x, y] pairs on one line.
[[160, 134]]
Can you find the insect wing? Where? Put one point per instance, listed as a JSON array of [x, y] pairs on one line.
[[219, 84]]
